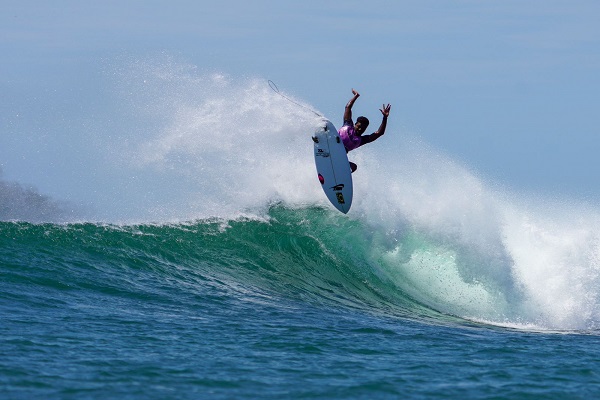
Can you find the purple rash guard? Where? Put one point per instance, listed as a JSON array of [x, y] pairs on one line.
[[349, 137]]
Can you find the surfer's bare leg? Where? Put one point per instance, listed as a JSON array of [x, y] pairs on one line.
[[353, 166]]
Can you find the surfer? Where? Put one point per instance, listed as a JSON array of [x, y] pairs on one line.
[[352, 134]]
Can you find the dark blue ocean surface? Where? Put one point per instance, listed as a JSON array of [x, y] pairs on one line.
[[281, 307]]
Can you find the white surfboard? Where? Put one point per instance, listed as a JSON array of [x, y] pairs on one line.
[[333, 169]]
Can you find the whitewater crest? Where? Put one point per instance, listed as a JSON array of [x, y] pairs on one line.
[[469, 249]]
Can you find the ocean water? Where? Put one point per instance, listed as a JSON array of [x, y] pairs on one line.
[[184, 249]]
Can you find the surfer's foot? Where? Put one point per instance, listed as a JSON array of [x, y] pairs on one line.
[[353, 167]]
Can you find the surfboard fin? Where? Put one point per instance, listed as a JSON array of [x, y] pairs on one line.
[[315, 139]]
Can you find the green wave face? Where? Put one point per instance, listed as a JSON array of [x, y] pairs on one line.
[[310, 255]]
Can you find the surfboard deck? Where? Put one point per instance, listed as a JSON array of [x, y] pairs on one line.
[[333, 169]]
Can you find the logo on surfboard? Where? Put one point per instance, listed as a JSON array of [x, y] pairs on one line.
[[338, 187], [321, 153], [340, 198]]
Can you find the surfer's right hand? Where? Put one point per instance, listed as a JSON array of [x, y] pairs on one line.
[[355, 93]]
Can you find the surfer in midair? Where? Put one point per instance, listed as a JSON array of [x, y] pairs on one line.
[[352, 133]]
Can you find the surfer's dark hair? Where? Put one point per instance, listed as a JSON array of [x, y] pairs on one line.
[[363, 121]]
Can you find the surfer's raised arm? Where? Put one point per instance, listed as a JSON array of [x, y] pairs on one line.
[[351, 134], [348, 109], [385, 111]]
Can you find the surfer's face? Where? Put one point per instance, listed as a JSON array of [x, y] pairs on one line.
[[359, 128]]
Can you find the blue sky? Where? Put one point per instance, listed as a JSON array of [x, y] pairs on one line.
[[508, 88]]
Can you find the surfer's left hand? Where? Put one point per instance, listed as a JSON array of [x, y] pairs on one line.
[[385, 110]]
